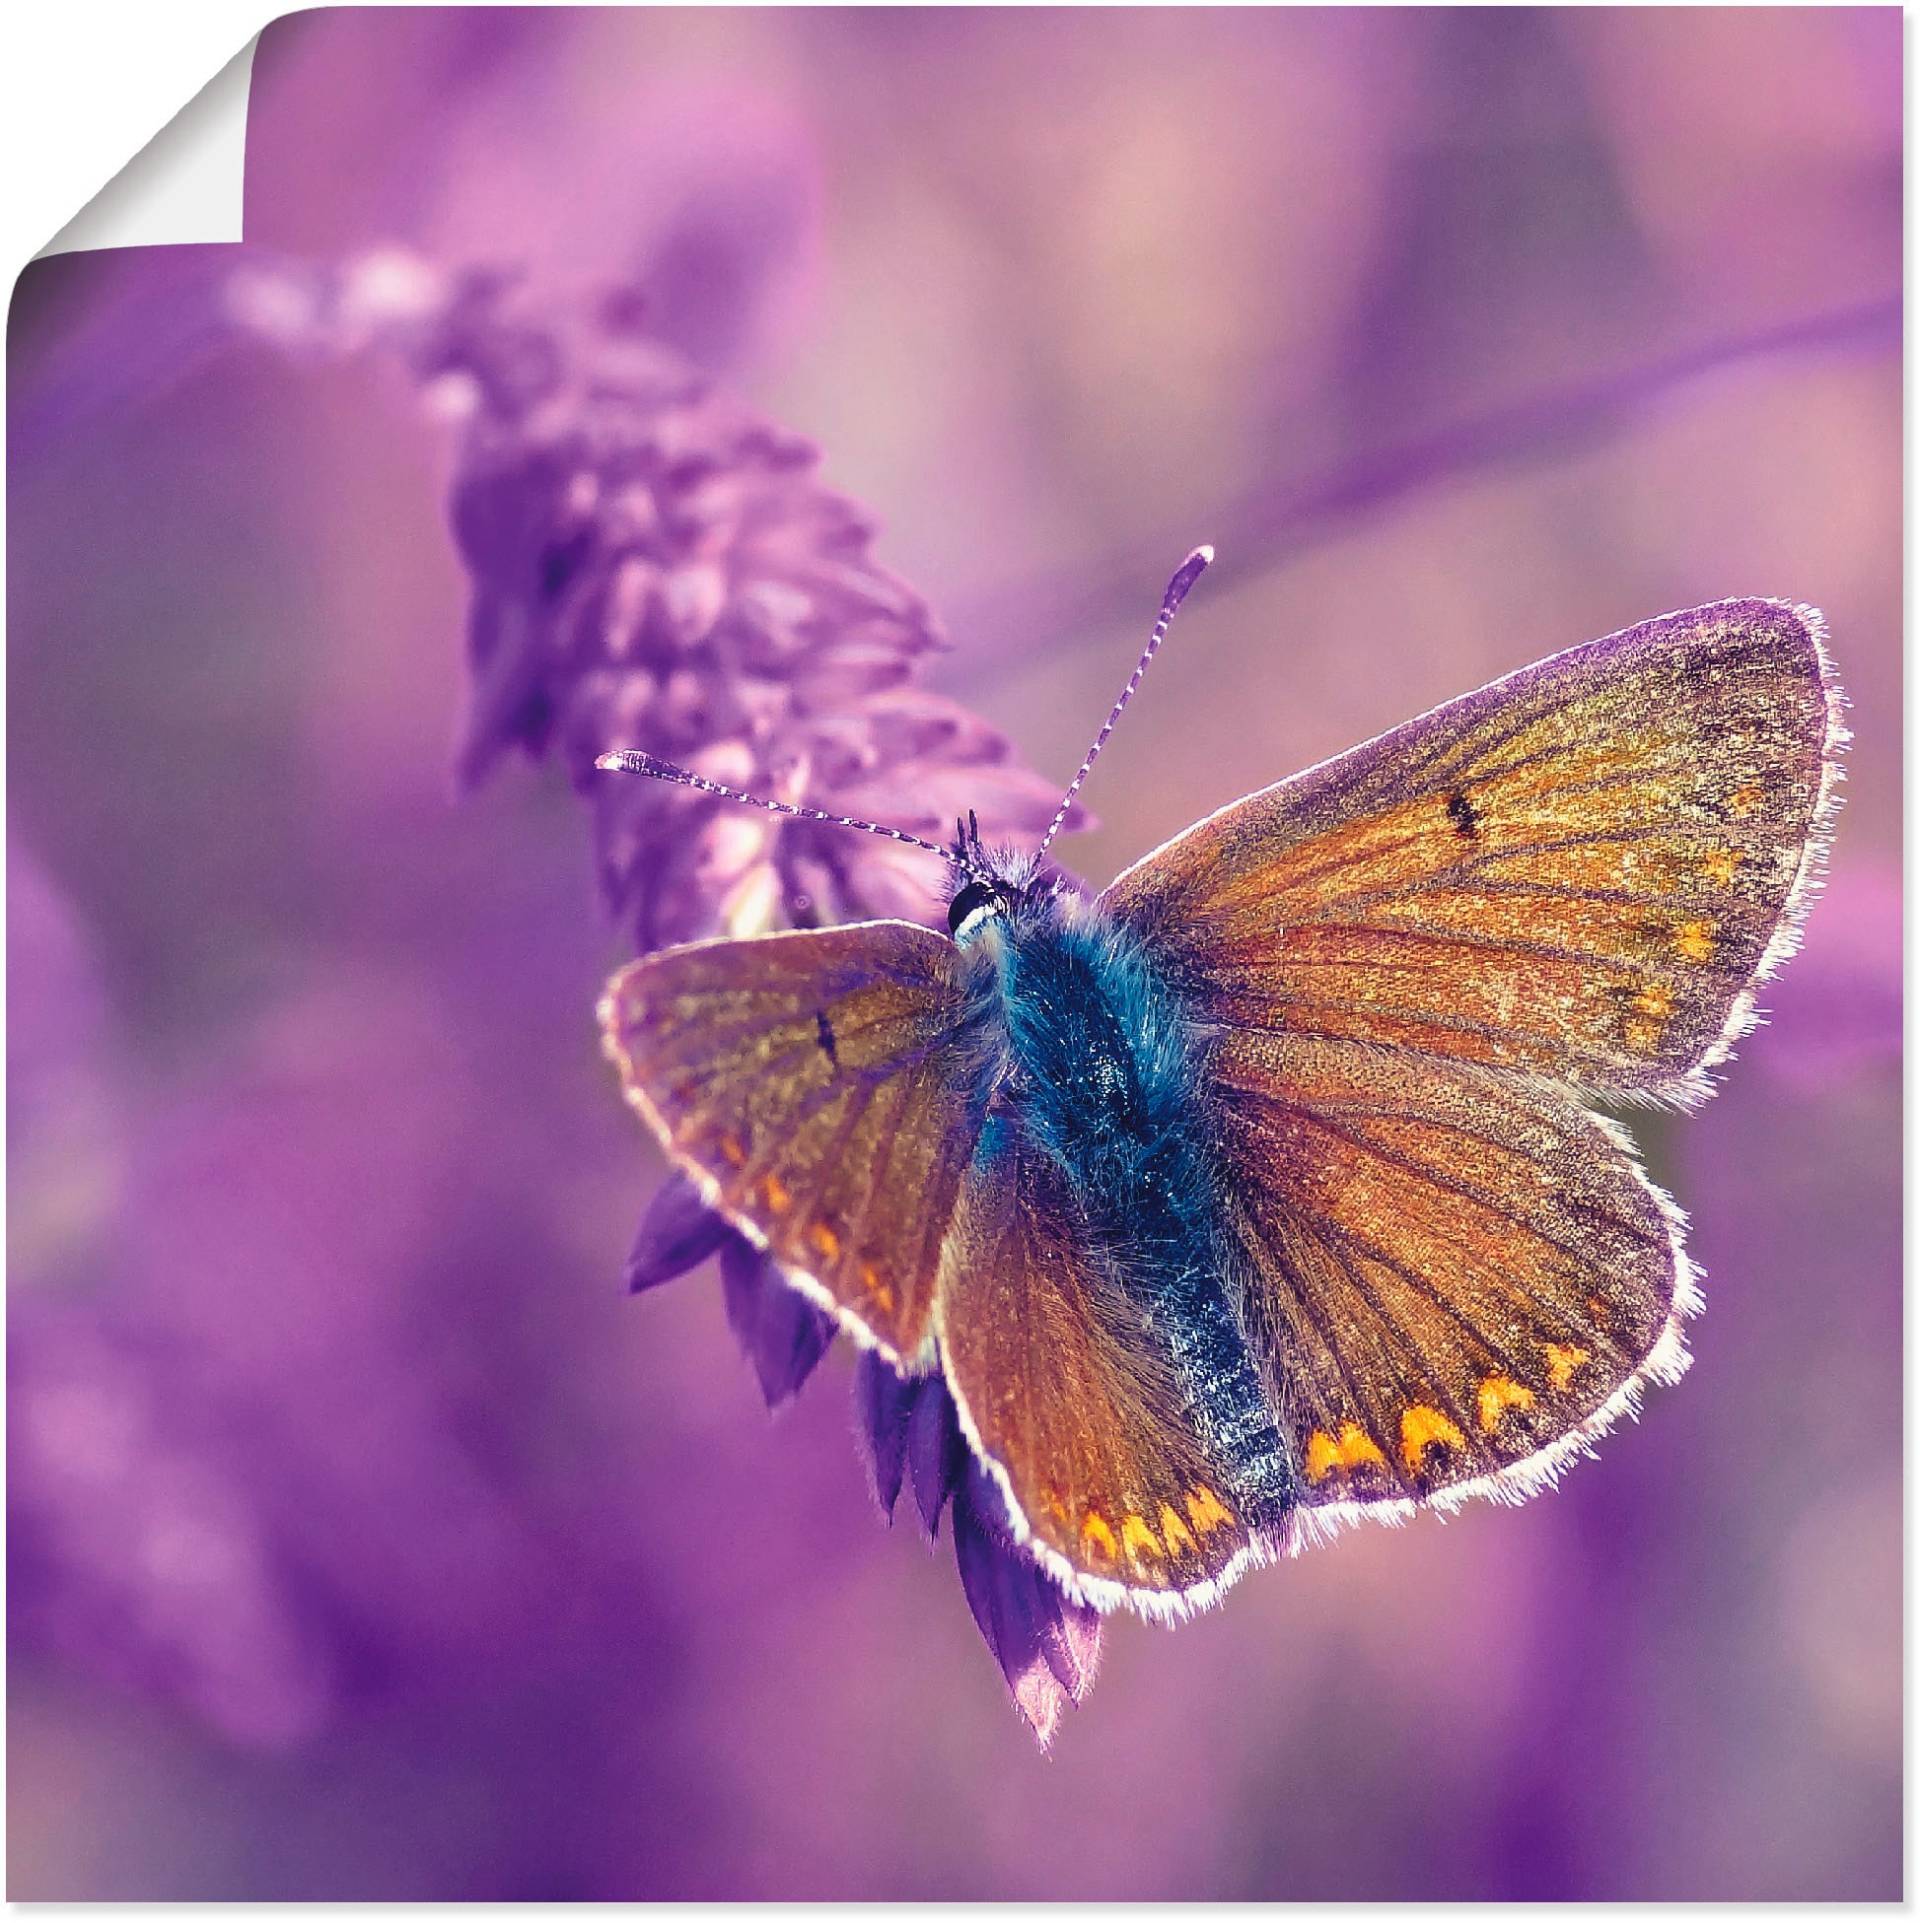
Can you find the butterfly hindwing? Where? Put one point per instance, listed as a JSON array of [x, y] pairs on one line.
[[825, 1087], [1452, 1272], [1578, 871], [1070, 1396]]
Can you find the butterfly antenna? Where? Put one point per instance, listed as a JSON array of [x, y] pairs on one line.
[[1188, 572], [635, 761]]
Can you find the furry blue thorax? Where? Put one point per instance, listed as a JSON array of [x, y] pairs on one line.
[[1104, 1072]]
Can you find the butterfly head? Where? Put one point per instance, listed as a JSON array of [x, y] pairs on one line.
[[994, 884], [997, 898], [975, 903]]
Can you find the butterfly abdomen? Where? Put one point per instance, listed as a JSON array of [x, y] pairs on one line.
[[1105, 1079]]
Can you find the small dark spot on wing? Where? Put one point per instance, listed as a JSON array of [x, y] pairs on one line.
[[1464, 816], [823, 1029]]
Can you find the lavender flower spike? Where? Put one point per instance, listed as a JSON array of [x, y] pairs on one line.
[[655, 568]]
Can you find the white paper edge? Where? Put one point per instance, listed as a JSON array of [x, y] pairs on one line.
[[186, 185]]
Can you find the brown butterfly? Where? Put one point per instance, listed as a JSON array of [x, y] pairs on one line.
[[1261, 1192]]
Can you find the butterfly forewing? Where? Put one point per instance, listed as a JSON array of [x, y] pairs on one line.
[[826, 1088], [1451, 1270], [1578, 871], [1070, 1394]]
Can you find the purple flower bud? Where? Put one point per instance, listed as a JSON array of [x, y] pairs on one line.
[[1046, 1646], [884, 1402], [677, 1233], [782, 1334], [936, 1452]]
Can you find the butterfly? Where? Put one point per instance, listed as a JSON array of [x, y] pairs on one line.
[[1263, 1192]]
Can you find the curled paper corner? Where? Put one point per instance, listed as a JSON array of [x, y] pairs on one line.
[[185, 185]]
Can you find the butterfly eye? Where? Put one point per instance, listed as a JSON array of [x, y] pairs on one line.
[[977, 897]]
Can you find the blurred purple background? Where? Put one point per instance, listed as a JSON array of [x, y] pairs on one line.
[[365, 1539]]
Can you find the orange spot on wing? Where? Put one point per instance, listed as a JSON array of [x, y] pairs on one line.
[[1355, 1447], [1177, 1533], [1098, 1537], [1206, 1511], [1654, 1004], [1420, 1429], [1743, 801], [778, 1197], [733, 1150], [1499, 1393], [1721, 864], [1694, 939], [871, 1282], [824, 1242], [1602, 1315], [1562, 1359], [1136, 1538]]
